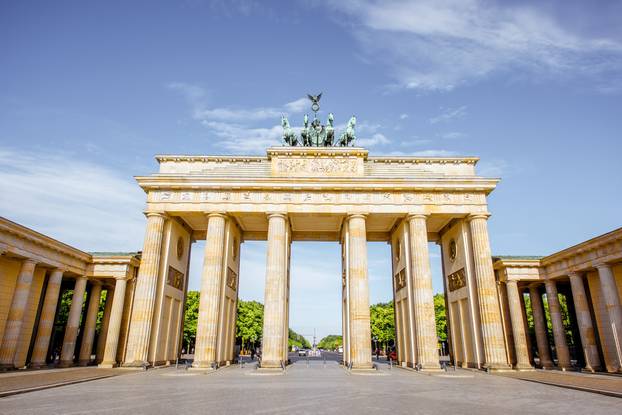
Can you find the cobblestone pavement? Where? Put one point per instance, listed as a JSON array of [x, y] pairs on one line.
[[611, 384], [35, 379], [308, 388]]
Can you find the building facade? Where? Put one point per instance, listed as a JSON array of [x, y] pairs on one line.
[[311, 194], [576, 292], [35, 272]]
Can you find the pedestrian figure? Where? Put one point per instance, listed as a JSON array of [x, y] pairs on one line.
[[252, 353], [378, 354]]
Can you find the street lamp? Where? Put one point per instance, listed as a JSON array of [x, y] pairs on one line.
[[375, 339]]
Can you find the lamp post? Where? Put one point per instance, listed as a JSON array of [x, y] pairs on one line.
[[375, 339]]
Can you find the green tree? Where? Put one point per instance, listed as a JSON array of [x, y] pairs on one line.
[[330, 342], [383, 323], [191, 316], [298, 340], [440, 316], [249, 323]]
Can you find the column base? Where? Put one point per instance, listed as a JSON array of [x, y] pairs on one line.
[[38, 365], [84, 362], [497, 367], [108, 365], [7, 366], [137, 363], [204, 365], [65, 364], [430, 368], [363, 366], [271, 364], [523, 368]]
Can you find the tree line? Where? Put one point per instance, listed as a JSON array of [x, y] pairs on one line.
[[249, 323]]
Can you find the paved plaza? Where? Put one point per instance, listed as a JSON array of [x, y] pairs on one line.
[[313, 387]]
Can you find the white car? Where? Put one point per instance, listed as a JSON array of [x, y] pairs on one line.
[[302, 352]]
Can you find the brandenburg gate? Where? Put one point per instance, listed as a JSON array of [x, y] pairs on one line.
[[317, 193]]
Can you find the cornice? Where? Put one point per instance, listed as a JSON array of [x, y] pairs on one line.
[[198, 182], [591, 245], [42, 240]]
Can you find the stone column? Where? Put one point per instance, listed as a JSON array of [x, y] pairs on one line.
[[584, 320], [518, 326], [145, 293], [114, 324], [210, 298], [539, 323], [559, 333], [614, 309], [360, 334], [275, 295], [86, 348], [14, 321], [73, 323], [46, 320], [495, 356], [423, 296], [101, 340]]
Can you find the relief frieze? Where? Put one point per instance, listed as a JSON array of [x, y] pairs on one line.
[[318, 197], [456, 280], [315, 166]]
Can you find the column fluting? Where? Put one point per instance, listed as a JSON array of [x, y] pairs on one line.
[[73, 323], [611, 298], [103, 333], [275, 295], [423, 295], [46, 320], [14, 321], [559, 333], [584, 320], [539, 323], [518, 325], [114, 324], [360, 335], [210, 297], [145, 293], [90, 325], [490, 315]]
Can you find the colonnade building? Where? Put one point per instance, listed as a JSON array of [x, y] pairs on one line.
[[35, 273], [576, 292], [310, 194]]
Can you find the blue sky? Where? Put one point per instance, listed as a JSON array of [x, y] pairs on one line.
[[91, 91]]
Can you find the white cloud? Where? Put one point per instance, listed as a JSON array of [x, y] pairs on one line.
[[297, 106], [453, 135], [435, 153], [403, 116], [374, 140], [86, 205], [449, 114], [441, 44]]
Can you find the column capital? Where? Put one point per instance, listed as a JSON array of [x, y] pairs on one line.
[[124, 278], [512, 282], [216, 215], [423, 216], [575, 274], [357, 215], [472, 216], [277, 215], [602, 264], [95, 282], [162, 214], [30, 261]]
